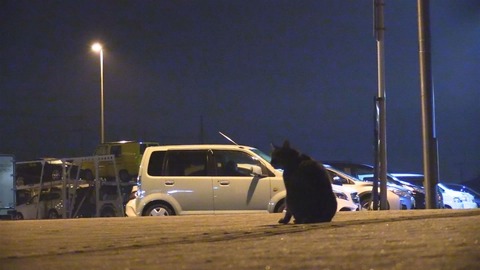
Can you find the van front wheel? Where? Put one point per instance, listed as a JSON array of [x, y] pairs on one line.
[[159, 210]]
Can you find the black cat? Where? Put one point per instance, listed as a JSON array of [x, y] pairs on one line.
[[310, 198]]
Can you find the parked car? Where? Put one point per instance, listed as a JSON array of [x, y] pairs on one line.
[[44, 170], [463, 188], [48, 204], [411, 181], [398, 198], [418, 179], [456, 199], [128, 155], [418, 192], [196, 179]]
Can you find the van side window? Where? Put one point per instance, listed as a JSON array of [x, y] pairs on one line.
[[236, 163], [155, 164], [186, 163], [116, 150]]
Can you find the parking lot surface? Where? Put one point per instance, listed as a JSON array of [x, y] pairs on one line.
[[410, 239]]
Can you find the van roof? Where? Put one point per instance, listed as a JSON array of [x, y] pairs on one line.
[[199, 146], [121, 142]]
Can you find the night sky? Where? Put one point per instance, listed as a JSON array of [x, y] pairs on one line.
[[179, 72]]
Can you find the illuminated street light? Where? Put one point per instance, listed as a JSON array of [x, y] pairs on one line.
[[97, 47]]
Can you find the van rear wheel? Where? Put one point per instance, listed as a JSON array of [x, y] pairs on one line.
[[18, 216], [159, 210]]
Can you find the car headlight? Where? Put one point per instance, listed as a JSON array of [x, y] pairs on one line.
[[341, 195], [355, 197], [401, 193]]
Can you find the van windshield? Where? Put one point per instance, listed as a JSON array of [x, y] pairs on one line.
[[262, 154]]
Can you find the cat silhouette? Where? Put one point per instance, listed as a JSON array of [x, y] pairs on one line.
[[310, 198]]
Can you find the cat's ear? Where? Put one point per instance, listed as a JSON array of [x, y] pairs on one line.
[[273, 146], [286, 144]]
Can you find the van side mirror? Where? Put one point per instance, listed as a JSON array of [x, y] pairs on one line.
[[256, 171]]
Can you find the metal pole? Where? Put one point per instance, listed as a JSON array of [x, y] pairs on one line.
[[102, 120], [376, 142], [430, 155], [382, 162]]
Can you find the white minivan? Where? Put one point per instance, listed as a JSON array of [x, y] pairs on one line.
[[207, 179]]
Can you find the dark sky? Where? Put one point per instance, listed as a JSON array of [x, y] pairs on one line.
[[259, 71]]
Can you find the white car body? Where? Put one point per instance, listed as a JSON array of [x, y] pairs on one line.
[[456, 199], [397, 197], [347, 200], [207, 194], [130, 208], [50, 208]]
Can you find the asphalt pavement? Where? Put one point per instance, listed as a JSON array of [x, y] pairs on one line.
[[409, 239]]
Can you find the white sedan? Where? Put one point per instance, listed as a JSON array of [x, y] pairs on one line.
[[397, 197], [50, 206]]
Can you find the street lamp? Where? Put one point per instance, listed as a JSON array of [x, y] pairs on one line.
[[97, 47]]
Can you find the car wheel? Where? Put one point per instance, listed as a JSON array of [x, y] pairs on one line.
[[18, 216], [367, 203], [159, 210], [53, 214], [280, 207]]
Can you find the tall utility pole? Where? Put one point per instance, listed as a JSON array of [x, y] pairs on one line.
[[430, 153], [382, 129]]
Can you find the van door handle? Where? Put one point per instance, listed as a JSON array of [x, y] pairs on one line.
[[224, 182], [169, 183]]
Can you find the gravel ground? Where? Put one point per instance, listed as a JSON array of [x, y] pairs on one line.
[[426, 239]]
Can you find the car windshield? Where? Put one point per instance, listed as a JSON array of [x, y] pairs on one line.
[[261, 154]]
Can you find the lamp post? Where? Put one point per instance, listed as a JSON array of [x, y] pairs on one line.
[[97, 47]]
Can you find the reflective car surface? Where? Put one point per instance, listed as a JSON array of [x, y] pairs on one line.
[[463, 188], [47, 204], [398, 198], [456, 199]]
